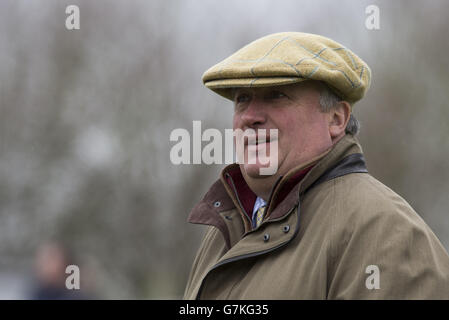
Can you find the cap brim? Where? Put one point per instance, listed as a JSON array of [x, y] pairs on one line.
[[224, 87]]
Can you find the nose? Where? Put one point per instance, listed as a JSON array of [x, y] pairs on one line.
[[253, 116]]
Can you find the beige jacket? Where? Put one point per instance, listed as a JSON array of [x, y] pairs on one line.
[[342, 236]]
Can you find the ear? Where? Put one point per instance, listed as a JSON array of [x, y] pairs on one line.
[[338, 119]]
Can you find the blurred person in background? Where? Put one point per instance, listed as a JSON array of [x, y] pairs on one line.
[[51, 262], [320, 227]]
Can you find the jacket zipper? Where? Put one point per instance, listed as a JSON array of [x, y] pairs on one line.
[[251, 255]]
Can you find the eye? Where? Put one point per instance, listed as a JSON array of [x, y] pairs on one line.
[[276, 94], [241, 98]]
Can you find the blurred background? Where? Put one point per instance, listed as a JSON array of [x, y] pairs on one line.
[[86, 115]]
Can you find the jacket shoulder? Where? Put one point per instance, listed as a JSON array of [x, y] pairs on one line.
[[365, 206], [361, 196], [371, 225]]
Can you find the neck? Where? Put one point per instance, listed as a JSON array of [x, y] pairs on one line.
[[262, 186]]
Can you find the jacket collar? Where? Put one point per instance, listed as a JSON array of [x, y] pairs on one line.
[[230, 191]]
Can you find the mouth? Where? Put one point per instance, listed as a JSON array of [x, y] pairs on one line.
[[256, 144], [258, 140]]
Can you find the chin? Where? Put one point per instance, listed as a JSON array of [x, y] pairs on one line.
[[253, 171]]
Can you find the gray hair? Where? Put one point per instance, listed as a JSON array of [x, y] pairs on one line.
[[328, 100]]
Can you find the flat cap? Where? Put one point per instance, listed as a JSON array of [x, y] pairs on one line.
[[290, 57]]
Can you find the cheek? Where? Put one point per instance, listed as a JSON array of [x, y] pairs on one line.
[[303, 127], [321, 124]]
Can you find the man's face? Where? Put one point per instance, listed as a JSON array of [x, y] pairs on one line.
[[303, 130]]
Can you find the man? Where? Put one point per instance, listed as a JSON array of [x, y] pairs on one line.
[[321, 227]]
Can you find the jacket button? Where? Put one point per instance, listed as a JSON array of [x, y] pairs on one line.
[[217, 204], [286, 228], [266, 237]]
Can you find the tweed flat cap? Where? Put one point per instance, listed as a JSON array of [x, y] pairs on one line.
[[290, 57]]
